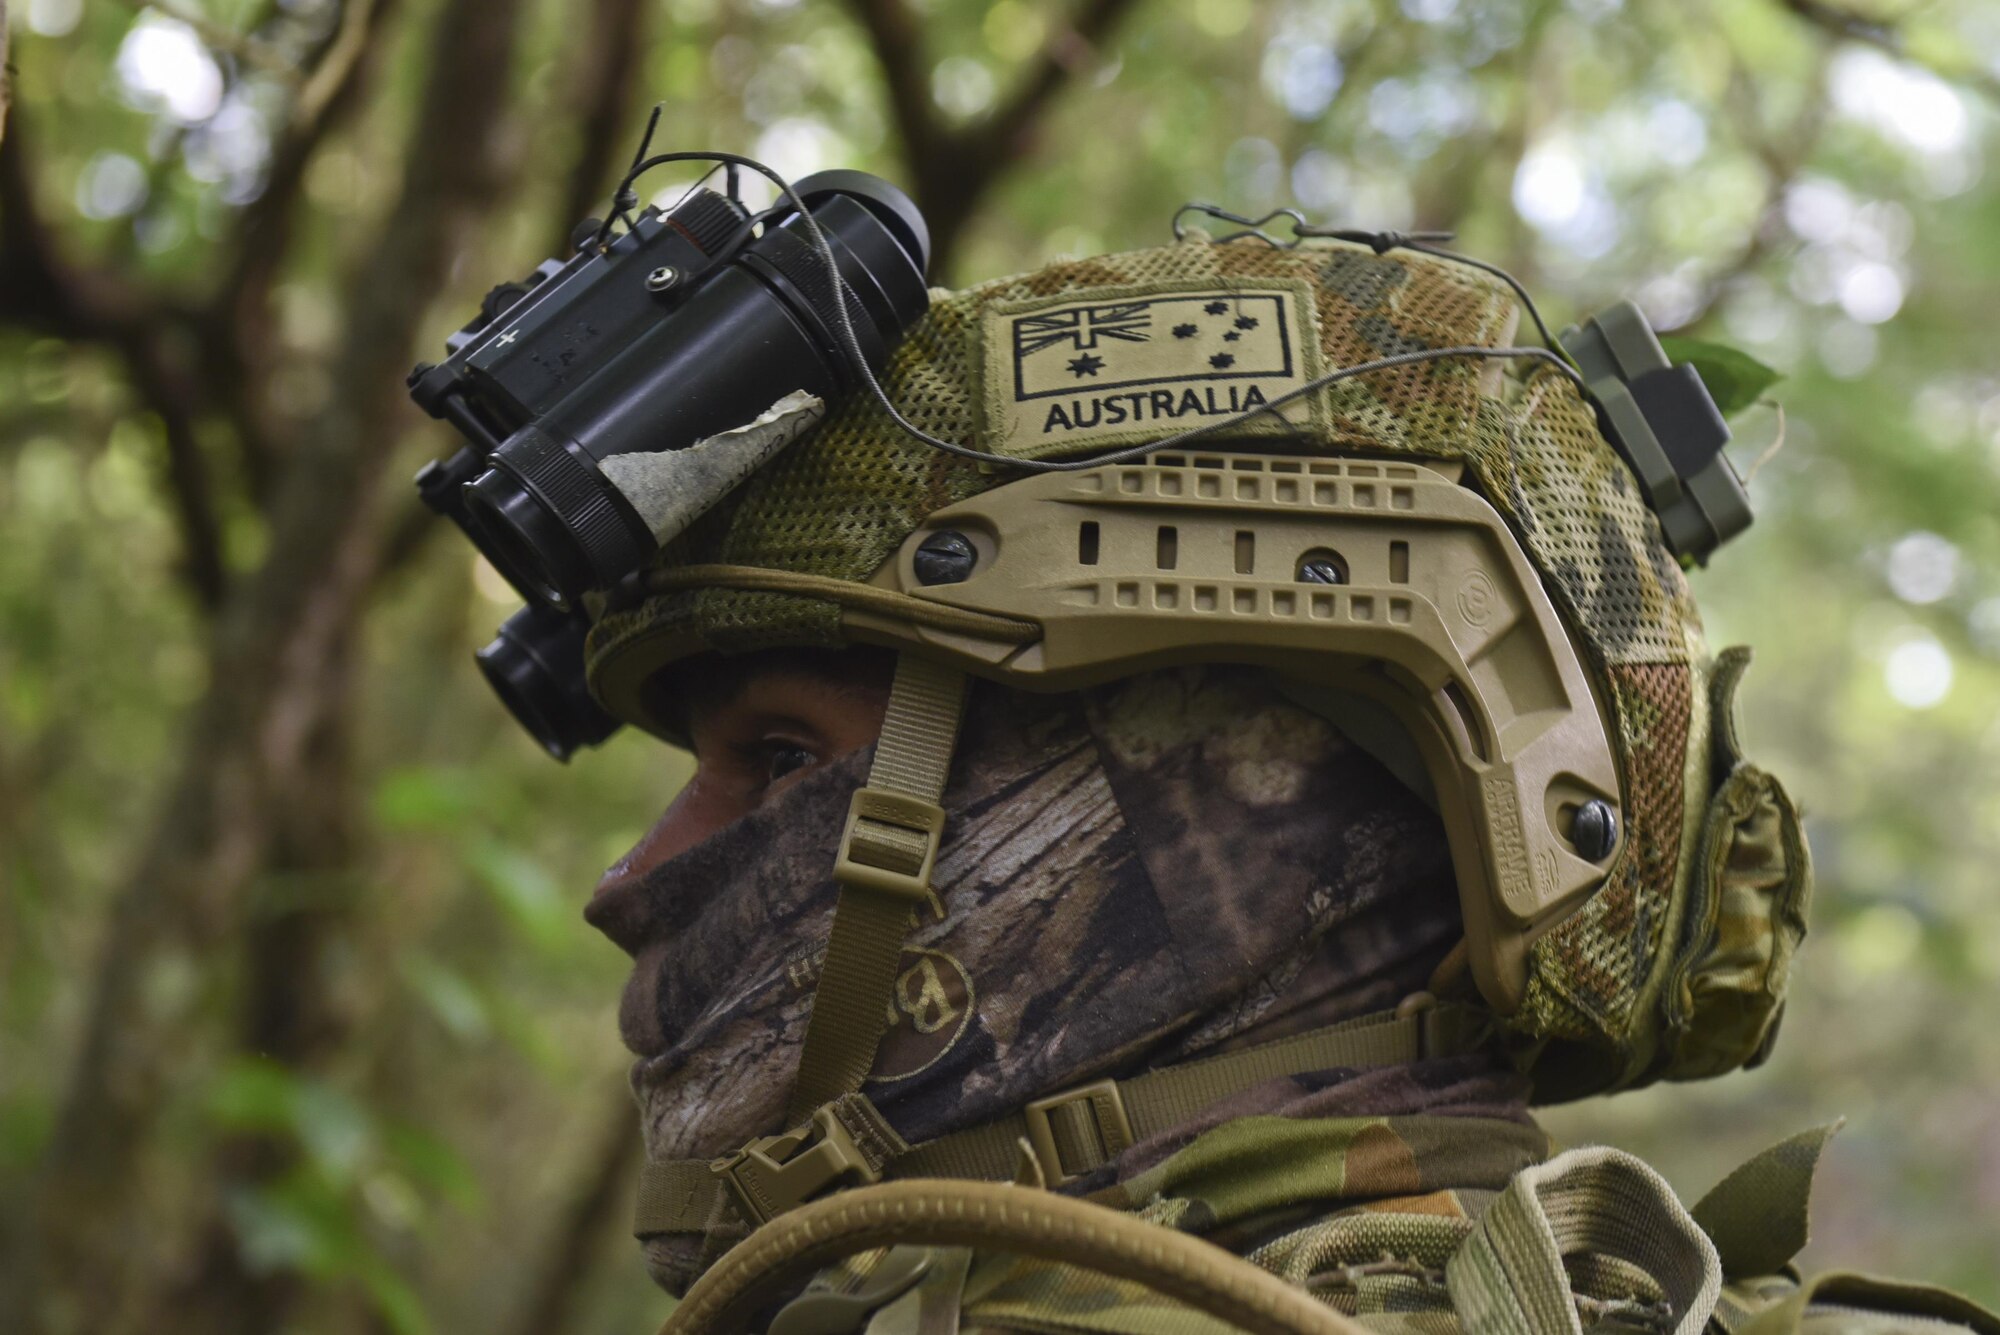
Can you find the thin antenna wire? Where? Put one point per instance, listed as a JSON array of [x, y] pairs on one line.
[[624, 200], [851, 345], [1527, 302], [1428, 243], [1769, 452]]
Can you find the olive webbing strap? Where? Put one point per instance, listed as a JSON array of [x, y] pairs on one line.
[[886, 853], [1511, 1276], [1085, 1133], [1088, 1126]]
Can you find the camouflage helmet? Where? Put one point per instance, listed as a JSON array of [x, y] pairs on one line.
[[1448, 556]]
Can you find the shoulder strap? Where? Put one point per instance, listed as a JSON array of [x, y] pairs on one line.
[[1598, 1205], [1065, 1135]]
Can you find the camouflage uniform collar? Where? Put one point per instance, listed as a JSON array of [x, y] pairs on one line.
[[1271, 1169]]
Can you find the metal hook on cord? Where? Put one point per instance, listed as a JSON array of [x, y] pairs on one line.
[[1251, 226], [1382, 242]]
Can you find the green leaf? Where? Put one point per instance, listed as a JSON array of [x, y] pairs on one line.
[[1734, 378], [525, 892], [26, 1122], [450, 995], [423, 797], [525, 1029], [297, 1221], [434, 1164], [395, 1301], [276, 1231], [337, 1132], [332, 1127], [253, 1094]]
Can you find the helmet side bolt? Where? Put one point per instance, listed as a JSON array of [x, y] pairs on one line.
[[945, 558], [1594, 829], [1315, 569], [662, 278]]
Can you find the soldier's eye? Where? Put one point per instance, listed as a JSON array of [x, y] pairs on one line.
[[782, 758]]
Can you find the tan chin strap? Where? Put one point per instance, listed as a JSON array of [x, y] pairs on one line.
[[848, 1143], [887, 851]]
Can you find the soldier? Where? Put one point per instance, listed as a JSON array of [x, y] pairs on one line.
[[1099, 871]]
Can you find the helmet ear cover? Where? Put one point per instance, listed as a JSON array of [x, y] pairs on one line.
[[1438, 617]]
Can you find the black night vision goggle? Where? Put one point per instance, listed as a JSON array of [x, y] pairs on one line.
[[638, 345]]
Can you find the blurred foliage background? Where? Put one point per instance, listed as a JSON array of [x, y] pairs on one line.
[[299, 1027]]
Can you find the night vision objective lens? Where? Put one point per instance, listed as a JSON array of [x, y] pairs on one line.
[[535, 666]]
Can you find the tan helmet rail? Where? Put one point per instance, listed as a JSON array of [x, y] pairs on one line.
[[1384, 579]]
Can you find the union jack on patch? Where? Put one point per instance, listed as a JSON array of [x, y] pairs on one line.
[[1081, 327]]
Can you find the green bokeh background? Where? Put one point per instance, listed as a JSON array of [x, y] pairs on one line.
[[1816, 183]]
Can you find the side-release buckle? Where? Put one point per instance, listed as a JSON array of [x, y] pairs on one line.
[[1106, 1108], [774, 1174], [886, 859]]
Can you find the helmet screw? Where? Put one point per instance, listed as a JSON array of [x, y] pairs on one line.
[[1319, 570], [662, 278], [944, 558], [1594, 829]]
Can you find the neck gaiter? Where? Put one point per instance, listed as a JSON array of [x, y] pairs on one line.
[[1169, 865]]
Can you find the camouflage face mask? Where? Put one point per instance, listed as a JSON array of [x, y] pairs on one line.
[[1165, 866]]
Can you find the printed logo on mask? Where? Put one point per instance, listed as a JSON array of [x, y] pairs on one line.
[[1135, 364], [930, 1010]]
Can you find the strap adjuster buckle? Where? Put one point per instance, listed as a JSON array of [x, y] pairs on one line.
[[887, 869], [1107, 1111], [773, 1174]]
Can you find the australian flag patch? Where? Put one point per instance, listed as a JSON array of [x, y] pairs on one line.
[[1121, 365]]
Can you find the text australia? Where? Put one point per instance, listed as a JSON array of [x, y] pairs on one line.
[[1158, 405]]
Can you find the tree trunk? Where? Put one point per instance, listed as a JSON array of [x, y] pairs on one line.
[[267, 739], [580, 1232], [6, 73], [298, 1009]]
